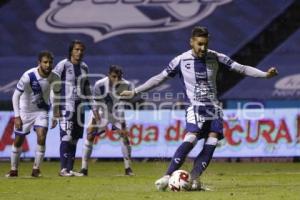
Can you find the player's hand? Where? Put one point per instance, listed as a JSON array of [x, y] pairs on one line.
[[18, 123], [123, 132], [56, 116], [272, 72], [54, 122], [127, 93]]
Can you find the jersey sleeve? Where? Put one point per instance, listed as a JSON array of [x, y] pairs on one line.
[[59, 68], [224, 59], [56, 83], [23, 83], [242, 69], [173, 68]]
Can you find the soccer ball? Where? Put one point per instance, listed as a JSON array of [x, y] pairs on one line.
[[180, 180]]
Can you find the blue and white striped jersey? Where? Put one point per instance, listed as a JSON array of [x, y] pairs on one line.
[[198, 75], [75, 84], [108, 95], [34, 89]]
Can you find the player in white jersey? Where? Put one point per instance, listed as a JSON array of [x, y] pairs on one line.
[[111, 111], [75, 91], [197, 69], [31, 107]]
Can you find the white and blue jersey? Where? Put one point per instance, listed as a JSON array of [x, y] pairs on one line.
[[35, 91], [108, 103], [109, 95], [198, 76], [75, 85], [31, 99]]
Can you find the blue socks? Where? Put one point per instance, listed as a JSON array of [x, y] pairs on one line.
[[64, 149], [71, 157], [179, 156], [202, 160]]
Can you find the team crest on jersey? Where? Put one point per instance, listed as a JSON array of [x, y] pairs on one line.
[[102, 19]]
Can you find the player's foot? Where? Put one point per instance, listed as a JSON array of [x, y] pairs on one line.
[[198, 186], [76, 173], [36, 173], [162, 183], [129, 172], [84, 172], [65, 173], [12, 173]]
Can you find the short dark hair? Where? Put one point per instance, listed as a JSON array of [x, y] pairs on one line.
[[45, 53], [72, 44], [116, 69], [200, 31]]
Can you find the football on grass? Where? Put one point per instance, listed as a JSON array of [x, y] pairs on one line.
[[180, 180]]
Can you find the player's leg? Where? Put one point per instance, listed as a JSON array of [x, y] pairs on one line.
[[15, 155], [27, 123], [66, 126], [40, 150], [92, 130], [126, 150], [41, 128], [190, 140], [182, 151], [117, 118], [203, 159]]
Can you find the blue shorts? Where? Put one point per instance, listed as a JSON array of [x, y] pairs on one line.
[[204, 120]]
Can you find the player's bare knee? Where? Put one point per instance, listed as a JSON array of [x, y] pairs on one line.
[[90, 137], [191, 137], [41, 140], [19, 139]]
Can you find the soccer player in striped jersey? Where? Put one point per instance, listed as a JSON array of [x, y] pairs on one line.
[[31, 106], [111, 111], [197, 69], [75, 92]]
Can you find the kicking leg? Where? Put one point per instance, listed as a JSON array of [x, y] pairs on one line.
[[203, 159], [190, 140]]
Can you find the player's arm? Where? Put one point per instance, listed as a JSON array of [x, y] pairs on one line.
[[246, 70], [156, 80], [22, 84], [97, 100], [56, 88], [148, 85]]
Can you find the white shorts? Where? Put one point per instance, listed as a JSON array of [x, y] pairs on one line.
[[35, 119], [114, 119]]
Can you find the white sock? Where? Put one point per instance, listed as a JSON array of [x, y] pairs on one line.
[[126, 151], [39, 156], [87, 152], [15, 157]]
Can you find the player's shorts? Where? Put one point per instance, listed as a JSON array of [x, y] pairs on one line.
[[34, 119], [114, 119], [204, 120], [72, 123]]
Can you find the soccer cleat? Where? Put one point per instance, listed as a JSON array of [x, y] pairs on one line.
[[79, 174], [129, 172], [36, 173], [198, 186], [65, 173], [12, 173], [84, 171], [162, 183]]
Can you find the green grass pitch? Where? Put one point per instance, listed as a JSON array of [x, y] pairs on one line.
[[232, 181]]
